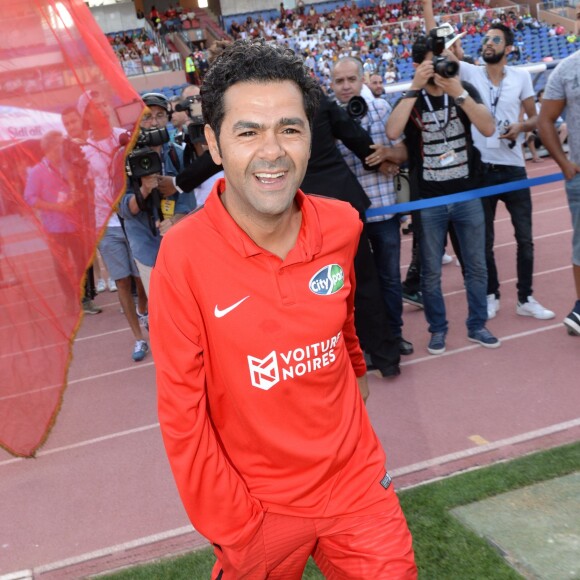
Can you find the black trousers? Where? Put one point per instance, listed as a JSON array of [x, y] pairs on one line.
[[370, 316]]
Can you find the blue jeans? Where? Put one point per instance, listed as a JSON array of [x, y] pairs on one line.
[[519, 205], [385, 239], [469, 222], [573, 194]]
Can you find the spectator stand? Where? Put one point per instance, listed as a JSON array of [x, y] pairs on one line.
[[141, 51]]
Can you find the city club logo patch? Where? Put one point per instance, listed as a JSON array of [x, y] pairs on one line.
[[328, 280], [269, 371]]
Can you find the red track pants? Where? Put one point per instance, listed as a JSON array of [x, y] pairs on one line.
[[376, 546]]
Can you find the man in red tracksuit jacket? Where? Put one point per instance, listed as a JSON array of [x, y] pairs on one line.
[[259, 369]]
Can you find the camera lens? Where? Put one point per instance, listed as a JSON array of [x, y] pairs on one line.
[[145, 163], [357, 107], [445, 68]]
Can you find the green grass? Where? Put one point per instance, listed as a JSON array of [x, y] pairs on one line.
[[444, 548]]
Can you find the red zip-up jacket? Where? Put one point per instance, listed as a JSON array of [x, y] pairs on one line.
[[256, 364]]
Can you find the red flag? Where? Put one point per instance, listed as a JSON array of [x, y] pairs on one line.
[[60, 82]]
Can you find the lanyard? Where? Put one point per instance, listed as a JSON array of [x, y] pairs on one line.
[[434, 116], [493, 101]]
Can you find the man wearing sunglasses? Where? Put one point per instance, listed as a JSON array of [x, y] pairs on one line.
[[504, 90]]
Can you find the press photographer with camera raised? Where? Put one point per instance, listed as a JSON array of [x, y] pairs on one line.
[[199, 172], [435, 118], [383, 231], [148, 214]]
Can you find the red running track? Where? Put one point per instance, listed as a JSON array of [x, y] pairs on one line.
[[100, 495]]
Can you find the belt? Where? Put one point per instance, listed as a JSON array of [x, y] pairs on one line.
[[498, 167], [494, 167]]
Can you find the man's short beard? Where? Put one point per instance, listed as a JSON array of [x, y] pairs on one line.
[[494, 58], [431, 81]]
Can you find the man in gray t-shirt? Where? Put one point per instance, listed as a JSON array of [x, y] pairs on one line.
[[563, 92]]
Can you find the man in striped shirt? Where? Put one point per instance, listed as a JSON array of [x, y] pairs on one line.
[[435, 117]]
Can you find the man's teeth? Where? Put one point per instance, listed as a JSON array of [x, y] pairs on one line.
[[269, 175]]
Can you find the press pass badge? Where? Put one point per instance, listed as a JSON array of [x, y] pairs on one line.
[[167, 208], [447, 158]]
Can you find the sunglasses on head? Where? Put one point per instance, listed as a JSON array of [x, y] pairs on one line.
[[494, 39]]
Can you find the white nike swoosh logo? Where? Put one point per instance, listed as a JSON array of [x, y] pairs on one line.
[[219, 313]]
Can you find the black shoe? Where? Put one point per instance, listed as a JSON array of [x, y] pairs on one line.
[[391, 371], [405, 347], [572, 323], [415, 298]]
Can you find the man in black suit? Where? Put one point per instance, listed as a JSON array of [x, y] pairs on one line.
[[328, 174]]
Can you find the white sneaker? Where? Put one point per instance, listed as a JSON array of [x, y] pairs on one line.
[[533, 308], [446, 259], [101, 286], [112, 285], [492, 306]]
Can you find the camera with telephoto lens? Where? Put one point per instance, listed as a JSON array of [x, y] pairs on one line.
[[142, 160], [436, 44], [357, 108], [192, 106]]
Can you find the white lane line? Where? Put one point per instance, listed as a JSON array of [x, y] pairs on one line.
[[101, 334], [80, 380], [523, 437], [85, 443], [431, 357], [543, 273], [513, 243], [114, 549]]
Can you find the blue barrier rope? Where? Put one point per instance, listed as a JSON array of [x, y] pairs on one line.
[[463, 195]]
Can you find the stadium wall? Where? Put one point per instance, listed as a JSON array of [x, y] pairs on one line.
[[566, 18], [116, 17]]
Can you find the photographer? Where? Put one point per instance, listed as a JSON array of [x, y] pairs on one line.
[[383, 230], [435, 117], [200, 172], [148, 214]]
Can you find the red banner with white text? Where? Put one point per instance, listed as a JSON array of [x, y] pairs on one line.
[[61, 89]]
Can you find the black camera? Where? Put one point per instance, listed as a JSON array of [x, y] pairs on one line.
[[436, 44], [143, 160], [357, 108], [192, 105]]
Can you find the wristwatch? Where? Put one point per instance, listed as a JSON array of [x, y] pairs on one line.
[[461, 98], [411, 94]]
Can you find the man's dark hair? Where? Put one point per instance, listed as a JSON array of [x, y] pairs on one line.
[[420, 49], [254, 61], [508, 33]]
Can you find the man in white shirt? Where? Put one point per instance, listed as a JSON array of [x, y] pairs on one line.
[[505, 90]]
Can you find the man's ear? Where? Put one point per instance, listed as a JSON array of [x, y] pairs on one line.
[[212, 144]]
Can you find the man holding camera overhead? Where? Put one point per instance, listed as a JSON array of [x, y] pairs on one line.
[[435, 116], [383, 230], [147, 213]]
